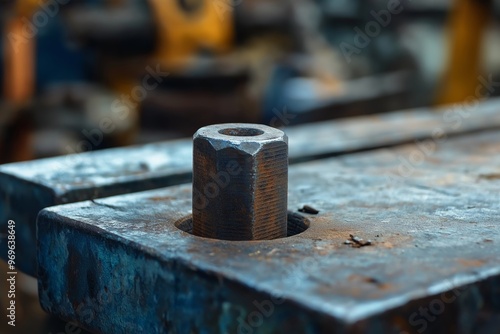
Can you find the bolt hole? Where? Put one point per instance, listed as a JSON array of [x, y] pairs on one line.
[[242, 132], [296, 224]]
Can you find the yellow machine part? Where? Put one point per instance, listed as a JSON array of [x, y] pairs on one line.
[[468, 23], [183, 34]]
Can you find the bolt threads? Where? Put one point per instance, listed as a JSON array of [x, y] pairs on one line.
[[240, 185], [271, 194]]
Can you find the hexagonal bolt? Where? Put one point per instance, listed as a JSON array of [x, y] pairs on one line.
[[240, 182]]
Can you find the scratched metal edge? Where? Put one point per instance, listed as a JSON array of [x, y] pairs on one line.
[[325, 154], [231, 298], [155, 181], [70, 161], [378, 319]]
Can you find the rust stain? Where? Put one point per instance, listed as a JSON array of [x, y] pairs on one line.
[[493, 176], [325, 228], [366, 279], [387, 245], [161, 198], [471, 263]]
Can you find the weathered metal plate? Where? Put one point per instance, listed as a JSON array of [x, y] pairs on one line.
[[119, 265], [28, 187]]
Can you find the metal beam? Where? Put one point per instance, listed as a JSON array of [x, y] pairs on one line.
[[431, 214]]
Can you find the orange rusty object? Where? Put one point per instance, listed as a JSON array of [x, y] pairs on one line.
[[468, 23], [19, 48], [19, 79]]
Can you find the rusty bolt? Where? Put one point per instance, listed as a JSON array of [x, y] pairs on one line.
[[240, 182]]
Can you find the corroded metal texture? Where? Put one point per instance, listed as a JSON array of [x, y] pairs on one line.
[[28, 187], [120, 265], [240, 182]]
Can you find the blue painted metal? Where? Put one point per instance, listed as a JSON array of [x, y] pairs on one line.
[[120, 265], [28, 187], [56, 61]]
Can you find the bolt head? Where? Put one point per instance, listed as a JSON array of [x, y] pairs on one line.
[[240, 182]]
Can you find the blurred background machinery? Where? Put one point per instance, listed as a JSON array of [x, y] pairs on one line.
[[115, 73]]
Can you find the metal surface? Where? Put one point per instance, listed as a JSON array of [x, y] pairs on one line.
[[120, 265], [28, 187], [240, 182]]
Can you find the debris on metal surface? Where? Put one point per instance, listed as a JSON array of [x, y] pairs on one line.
[[309, 209], [124, 259], [357, 242]]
